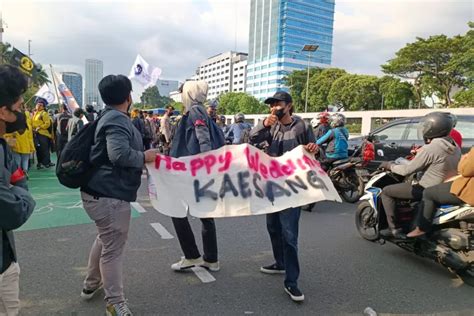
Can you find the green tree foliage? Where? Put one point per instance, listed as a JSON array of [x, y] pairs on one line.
[[296, 81], [356, 92], [151, 98], [464, 98], [319, 87], [232, 103], [396, 94], [436, 64]]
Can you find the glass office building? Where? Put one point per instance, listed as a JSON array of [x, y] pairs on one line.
[[74, 82], [278, 31]]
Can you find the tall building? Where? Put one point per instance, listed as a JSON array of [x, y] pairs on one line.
[[94, 73], [73, 81], [278, 31], [167, 86], [219, 72]]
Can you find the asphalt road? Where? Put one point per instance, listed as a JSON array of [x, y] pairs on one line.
[[341, 274]]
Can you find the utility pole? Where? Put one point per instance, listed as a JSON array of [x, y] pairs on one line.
[[29, 48], [1, 27], [308, 48]]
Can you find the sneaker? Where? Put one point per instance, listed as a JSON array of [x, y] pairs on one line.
[[272, 269], [88, 294], [184, 264], [120, 309], [212, 266], [50, 165], [294, 293], [39, 167]]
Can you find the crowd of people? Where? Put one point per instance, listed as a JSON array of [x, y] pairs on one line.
[[126, 139]]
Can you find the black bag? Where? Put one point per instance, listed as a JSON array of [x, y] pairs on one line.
[[74, 168]]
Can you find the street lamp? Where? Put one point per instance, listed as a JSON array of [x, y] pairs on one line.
[[310, 48]]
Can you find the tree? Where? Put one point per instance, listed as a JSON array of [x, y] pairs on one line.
[[319, 86], [151, 98], [5, 52], [396, 94], [356, 92], [430, 59], [296, 81], [464, 98], [232, 103], [40, 77]]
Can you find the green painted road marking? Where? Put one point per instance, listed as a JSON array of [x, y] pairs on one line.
[[56, 205]]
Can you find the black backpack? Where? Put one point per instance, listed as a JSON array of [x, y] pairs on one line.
[[74, 168], [63, 120]]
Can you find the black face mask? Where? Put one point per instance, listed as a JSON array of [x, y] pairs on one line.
[[18, 125], [280, 113]]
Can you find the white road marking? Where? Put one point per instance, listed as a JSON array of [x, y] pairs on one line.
[[138, 207], [203, 274], [161, 230]]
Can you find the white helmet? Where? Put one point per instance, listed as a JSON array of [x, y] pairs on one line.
[[314, 122], [337, 120]]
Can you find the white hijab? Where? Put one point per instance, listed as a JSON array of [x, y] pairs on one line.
[[194, 92]]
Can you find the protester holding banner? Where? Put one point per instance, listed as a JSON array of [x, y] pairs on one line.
[[41, 125], [284, 132], [118, 154], [196, 133]]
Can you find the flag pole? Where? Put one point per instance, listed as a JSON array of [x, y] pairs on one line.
[[55, 87]]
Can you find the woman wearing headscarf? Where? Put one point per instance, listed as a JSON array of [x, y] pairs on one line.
[[196, 133]]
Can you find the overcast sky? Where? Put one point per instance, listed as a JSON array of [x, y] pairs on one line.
[[177, 35]]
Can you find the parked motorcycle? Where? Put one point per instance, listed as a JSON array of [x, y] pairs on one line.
[[349, 177], [450, 243]]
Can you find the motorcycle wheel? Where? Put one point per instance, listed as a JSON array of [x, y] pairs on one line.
[[467, 275], [353, 195], [366, 222]]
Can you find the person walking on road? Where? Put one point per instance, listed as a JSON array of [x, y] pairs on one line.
[[42, 125], [16, 203], [284, 132], [118, 153]]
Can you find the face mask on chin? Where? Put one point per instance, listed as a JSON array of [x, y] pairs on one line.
[[18, 125]]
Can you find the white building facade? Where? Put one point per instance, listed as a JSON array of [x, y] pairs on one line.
[[218, 71]]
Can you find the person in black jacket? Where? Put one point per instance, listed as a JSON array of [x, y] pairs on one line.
[[16, 203], [284, 132]]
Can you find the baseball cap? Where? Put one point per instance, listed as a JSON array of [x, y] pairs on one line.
[[279, 96]]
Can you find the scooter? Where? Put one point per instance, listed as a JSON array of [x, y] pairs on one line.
[[450, 243]]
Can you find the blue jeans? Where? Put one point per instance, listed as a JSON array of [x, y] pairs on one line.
[[22, 160], [283, 229]]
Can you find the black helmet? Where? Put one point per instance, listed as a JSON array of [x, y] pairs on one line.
[[436, 124]]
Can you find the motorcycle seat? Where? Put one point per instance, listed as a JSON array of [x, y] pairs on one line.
[[340, 162]]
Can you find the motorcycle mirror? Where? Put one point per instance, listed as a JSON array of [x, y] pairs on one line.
[[380, 152]]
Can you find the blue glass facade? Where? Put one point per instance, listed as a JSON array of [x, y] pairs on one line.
[[278, 31], [74, 82]]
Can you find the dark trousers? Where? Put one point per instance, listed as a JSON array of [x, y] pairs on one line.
[[283, 229], [147, 143], [399, 191], [188, 243], [61, 142], [42, 150], [432, 198]]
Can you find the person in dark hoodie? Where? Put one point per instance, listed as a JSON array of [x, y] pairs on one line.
[[438, 160], [196, 133], [284, 132], [16, 203]]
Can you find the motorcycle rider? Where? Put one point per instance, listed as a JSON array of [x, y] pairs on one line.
[[320, 124], [336, 140], [239, 131], [438, 159], [458, 191]]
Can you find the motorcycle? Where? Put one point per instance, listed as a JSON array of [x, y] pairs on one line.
[[349, 177], [450, 243]]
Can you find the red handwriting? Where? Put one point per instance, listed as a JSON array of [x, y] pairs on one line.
[[207, 163]]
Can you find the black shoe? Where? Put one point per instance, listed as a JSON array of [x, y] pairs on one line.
[[393, 233], [294, 293], [272, 269], [39, 167], [51, 165]]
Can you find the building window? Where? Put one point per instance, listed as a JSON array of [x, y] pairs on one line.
[[241, 81], [227, 71], [241, 75], [241, 67]]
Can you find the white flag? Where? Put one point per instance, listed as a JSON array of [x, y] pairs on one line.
[[144, 73], [48, 94]]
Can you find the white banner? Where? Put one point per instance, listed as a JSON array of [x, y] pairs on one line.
[[237, 180], [144, 73], [48, 94]]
